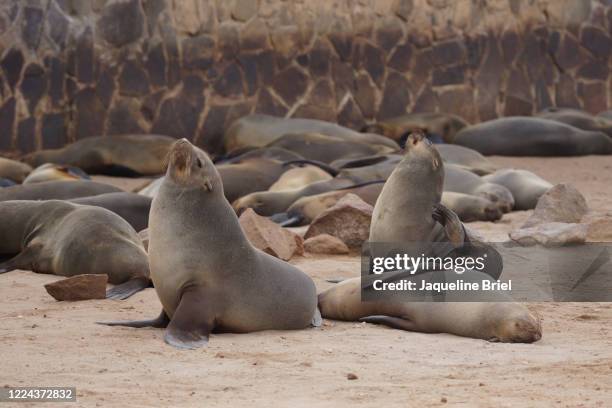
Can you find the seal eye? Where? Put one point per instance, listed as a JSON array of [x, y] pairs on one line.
[[199, 163]]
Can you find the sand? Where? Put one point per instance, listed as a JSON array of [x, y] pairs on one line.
[[50, 343]]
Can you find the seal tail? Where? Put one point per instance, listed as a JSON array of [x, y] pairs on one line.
[[323, 166], [127, 289]]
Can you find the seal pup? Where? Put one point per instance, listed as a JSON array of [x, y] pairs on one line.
[[65, 239], [132, 207], [495, 322], [56, 190], [14, 170], [206, 273], [527, 136], [259, 130], [53, 172], [525, 186], [118, 155]]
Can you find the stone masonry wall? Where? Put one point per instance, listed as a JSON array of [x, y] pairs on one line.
[[187, 68]]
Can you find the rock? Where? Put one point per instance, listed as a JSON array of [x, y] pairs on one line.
[[121, 22], [599, 227], [80, 287], [325, 244], [351, 376], [349, 220], [270, 237], [562, 203], [551, 234]]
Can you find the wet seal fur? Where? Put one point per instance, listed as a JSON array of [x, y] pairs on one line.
[[206, 273], [60, 238]]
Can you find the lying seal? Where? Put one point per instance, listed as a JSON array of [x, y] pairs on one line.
[[134, 208], [458, 180], [465, 158], [299, 177], [55, 172], [525, 136], [6, 183], [398, 128], [577, 118], [65, 239], [250, 152], [260, 130], [14, 170], [206, 273], [56, 190], [120, 155], [496, 322], [326, 149], [471, 208], [526, 187]]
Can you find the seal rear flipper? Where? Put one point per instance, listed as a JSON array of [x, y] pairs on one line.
[[451, 223], [393, 322], [127, 289], [193, 320], [160, 322], [286, 220]]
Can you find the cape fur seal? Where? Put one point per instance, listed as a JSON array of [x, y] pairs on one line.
[[496, 322], [398, 128], [134, 208], [299, 177], [206, 273], [465, 158], [459, 180], [14, 170], [326, 149], [55, 172], [119, 155], [526, 136], [577, 118], [259, 130], [56, 190], [66, 239], [525, 186]]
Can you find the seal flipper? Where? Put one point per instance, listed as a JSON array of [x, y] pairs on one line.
[[192, 322], [393, 322], [317, 320], [160, 322], [126, 289], [451, 223], [24, 260]]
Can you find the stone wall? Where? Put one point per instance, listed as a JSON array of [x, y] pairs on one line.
[[187, 68]]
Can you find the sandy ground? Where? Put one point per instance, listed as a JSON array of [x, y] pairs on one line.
[[49, 343]]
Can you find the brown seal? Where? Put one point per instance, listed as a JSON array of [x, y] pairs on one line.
[[134, 208], [119, 155], [444, 125], [496, 322], [56, 190], [525, 186], [55, 172], [66, 239], [206, 273], [14, 170], [526, 136]]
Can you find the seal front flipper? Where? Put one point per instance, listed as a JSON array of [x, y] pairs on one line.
[[451, 223], [24, 260], [393, 322], [126, 289], [160, 322], [317, 320], [192, 322]]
